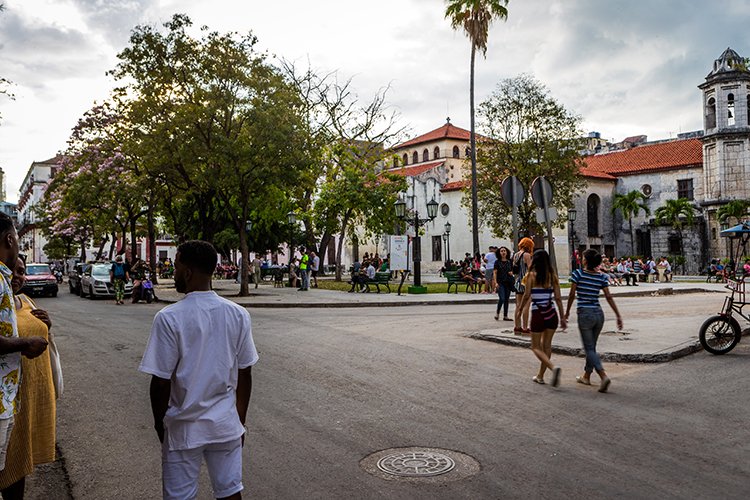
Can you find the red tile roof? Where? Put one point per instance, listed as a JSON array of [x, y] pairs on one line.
[[587, 172], [416, 169], [454, 186], [648, 158], [447, 131]]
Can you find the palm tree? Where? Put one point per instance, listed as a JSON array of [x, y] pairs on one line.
[[673, 212], [739, 209], [629, 205], [475, 17]]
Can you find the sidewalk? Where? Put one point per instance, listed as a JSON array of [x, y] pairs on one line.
[[268, 296]]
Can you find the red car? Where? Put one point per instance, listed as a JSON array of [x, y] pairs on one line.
[[40, 280]]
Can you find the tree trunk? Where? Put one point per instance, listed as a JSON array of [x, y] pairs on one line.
[[133, 246], [112, 246], [632, 245], [344, 223], [323, 251], [244, 267], [101, 247], [83, 250], [152, 245], [124, 229], [473, 143]]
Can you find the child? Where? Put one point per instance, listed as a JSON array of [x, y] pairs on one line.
[[585, 286]]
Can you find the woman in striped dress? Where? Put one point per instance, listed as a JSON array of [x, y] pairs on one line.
[[585, 286], [543, 291]]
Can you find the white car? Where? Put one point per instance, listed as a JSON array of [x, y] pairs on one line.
[[95, 281]]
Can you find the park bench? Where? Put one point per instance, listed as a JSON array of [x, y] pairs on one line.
[[454, 280], [380, 279]]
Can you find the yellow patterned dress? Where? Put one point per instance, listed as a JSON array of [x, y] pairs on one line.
[[32, 441]]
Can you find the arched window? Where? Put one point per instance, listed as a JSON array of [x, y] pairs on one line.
[[455, 152], [436, 153], [730, 109], [406, 159], [468, 152], [425, 155], [395, 162], [593, 204], [415, 157], [711, 113]]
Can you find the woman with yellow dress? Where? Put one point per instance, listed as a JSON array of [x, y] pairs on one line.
[[32, 441]]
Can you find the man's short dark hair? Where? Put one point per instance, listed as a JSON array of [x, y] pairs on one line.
[[6, 224], [593, 258], [198, 255]]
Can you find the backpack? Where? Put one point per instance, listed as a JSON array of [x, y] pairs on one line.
[[517, 264], [119, 270]]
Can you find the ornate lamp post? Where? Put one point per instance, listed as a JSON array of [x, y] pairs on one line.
[[571, 232], [416, 222], [448, 240], [291, 218]]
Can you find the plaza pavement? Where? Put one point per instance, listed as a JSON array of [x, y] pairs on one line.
[[662, 320]]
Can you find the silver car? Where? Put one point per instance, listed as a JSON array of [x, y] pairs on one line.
[[95, 282]]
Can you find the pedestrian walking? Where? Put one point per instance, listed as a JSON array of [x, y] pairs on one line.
[[200, 353], [119, 273], [503, 279], [521, 264], [315, 266], [304, 265], [543, 292], [489, 270], [585, 286], [256, 270], [11, 346]]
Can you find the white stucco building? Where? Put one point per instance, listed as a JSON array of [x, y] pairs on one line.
[[31, 240]]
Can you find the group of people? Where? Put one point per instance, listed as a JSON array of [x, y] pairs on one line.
[[27, 388], [476, 271], [304, 268], [539, 304], [633, 270], [723, 272], [364, 272]]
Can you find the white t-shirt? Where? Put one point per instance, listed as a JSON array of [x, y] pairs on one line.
[[371, 272], [491, 258], [316, 263], [199, 343]]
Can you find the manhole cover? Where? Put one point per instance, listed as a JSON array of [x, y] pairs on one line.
[[420, 464], [416, 464]]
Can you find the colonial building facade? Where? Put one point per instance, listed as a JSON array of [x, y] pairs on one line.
[[709, 167]]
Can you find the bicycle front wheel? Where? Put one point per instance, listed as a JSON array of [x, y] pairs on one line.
[[719, 334]]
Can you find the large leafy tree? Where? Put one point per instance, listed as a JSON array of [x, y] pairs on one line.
[[527, 134], [216, 123], [630, 205], [475, 18], [678, 214]]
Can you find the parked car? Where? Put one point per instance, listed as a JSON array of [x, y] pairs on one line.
[[95, 281], [40, 280], [74, 277]]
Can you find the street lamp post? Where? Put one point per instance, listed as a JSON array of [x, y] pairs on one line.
[[571, 234], [416, 222], [448, 240], [291, 218]]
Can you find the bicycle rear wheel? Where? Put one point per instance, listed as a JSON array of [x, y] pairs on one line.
[[719, 334]]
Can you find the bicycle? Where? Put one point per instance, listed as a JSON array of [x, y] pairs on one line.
[[719, 334]]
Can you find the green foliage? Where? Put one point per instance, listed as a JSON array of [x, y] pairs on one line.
[[59, 248], [676, 213], [527, 134], [475, 18], [735, 209], [630, 204]]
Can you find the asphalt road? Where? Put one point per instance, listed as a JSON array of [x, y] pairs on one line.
[[333, 386]]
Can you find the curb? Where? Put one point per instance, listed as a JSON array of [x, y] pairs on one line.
[[349, 305], [613, 357]]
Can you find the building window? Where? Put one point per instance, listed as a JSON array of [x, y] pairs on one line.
[[730, 109], [593, 204], [468, 152], [711, 113], [425, 155], [685, 189], [436, 153], [455, 152], [415, 157], [395, 162], [406, 159], [437, 248], [674, 245], [713, 233]]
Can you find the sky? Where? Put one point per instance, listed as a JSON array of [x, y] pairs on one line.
[[626, 67]]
